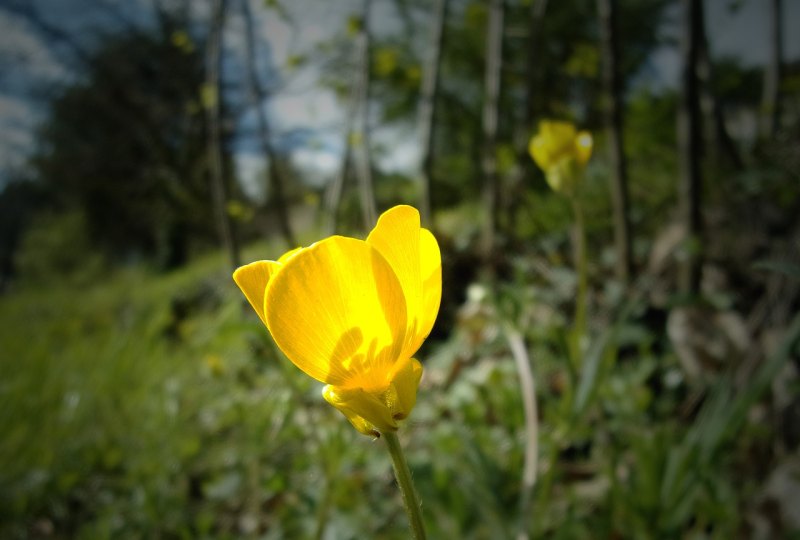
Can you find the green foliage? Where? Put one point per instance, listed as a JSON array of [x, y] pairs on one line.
[[125, 145], [56, 250], [156, 405], [20, 200]]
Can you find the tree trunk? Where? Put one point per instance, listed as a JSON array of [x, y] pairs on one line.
[[771, 102], [362, 159], [258, 98], [214, 128], [612, 87], [356, 153], [491, 187], [427, 108], [538, 9], [690, 148], [333, 193], [526, 119], [722, 146]]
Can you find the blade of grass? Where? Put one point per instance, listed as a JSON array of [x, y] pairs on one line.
[[528, 388]]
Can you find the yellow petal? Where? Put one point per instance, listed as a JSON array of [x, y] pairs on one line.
[[253, 279], [405, 382], [559, 135], [397, 237], [431, 272], [539, 152], [289, 254], [413, 254], [336, 309]]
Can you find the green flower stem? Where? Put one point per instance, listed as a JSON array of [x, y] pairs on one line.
[[581, 264], [324, 509], [403, 475]]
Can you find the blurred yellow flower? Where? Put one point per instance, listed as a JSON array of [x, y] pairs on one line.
[[561, 152], [214, 363], [351, 313]]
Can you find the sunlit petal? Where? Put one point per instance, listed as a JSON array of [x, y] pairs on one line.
[[336, 309], [431, 272], [405, 382], [397, 237], [289, 254], [253, 279]]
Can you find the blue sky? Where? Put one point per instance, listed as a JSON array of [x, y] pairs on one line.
[[301, 110]]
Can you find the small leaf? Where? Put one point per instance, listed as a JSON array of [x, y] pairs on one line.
[[354, 25]]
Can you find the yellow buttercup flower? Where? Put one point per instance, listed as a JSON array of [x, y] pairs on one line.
[[351, 314], [561, 152]]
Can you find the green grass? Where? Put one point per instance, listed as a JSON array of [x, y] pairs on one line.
[[155, 405]]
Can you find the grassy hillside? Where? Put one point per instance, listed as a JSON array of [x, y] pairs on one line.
[[156, 405]]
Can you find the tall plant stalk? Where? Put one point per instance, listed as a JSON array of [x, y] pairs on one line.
[[581, 265]]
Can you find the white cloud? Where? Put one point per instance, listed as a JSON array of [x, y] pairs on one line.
[[743, 33], [23, 51], [317, 108], [250, 170], [401, 151], [317, 159]]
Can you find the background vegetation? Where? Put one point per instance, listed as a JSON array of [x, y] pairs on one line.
[[141, 397]]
